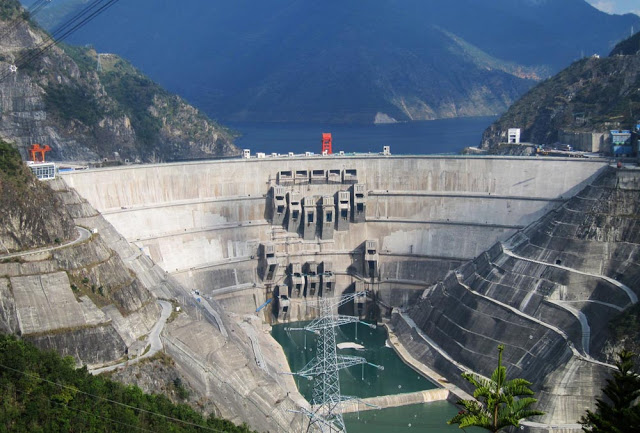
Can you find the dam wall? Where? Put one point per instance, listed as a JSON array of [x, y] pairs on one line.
[[210, 223], [384, 401]]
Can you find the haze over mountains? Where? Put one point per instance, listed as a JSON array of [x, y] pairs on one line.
[[294, 60]]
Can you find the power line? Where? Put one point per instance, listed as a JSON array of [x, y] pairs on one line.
[[112, 401], [6, 386], [64, 31], [35, 8], [80, 19]]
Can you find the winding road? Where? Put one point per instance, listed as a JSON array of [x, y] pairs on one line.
[[83, 235], [153, 339]]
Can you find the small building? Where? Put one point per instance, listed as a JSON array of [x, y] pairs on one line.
[[513, 136], [621, 142], [43, 170], [295, 211]]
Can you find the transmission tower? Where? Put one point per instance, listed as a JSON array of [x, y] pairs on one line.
[[326, 402]]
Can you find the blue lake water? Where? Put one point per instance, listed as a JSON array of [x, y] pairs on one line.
[[445, 136]]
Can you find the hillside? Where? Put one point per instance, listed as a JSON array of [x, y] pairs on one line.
[[23, 202], [292, 60], [593, 94], [62, 99], [41, 391]]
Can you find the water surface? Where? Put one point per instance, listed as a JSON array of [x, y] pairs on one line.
[[361, 380], [367, 381], [445, 136]]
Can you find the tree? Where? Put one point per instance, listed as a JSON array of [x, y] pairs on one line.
[[497, 401], [620, 412]]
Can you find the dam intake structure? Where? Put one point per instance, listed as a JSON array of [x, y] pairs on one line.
[[295, 230]]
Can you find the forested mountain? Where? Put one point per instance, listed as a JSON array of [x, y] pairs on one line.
[[594, 94], [40, 391], [346, 61], [61, 98]]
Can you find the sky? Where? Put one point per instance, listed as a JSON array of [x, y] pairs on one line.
[[617, 6]]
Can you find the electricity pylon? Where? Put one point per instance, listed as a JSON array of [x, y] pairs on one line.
[[326, 402]]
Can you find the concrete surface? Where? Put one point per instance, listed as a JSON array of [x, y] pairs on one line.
[[46, 303], [152, 340]]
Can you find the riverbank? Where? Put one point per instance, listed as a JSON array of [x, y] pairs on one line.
[[455, 393], [397, 400]]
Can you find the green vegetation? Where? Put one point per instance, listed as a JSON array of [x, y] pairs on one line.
[[42, 392], [10, 161], [592, 95], [84, 57], [181, 390], [627, 47], [11, 9], [72, 103], [625, 328], [620, 412], [497, 403], [135, 94], [15, 177]]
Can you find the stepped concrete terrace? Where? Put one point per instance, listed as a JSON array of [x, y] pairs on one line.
[[547, 293]]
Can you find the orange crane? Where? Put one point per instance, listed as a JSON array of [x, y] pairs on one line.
[[37, 153], [326, 143]]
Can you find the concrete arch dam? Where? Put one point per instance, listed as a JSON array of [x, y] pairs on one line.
[[242, 231]]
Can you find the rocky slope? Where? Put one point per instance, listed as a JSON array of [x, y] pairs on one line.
[[31, 215], [340, 61], [593, 94], [548, 294], [76, 298], [213, 355], [61, 99]]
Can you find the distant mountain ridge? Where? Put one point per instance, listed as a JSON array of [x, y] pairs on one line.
[[347, 61], [594, 94]]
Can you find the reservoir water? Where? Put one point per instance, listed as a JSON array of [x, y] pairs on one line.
[[444, 136], [366, 381]]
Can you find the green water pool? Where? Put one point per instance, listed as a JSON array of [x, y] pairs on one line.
[[366, 381]]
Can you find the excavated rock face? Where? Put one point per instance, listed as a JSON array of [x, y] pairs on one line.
[[61, 100], [30, 215], [547, 294], [160, 375], [77, 299]]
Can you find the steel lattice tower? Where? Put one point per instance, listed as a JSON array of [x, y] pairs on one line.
[[326, 410]]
